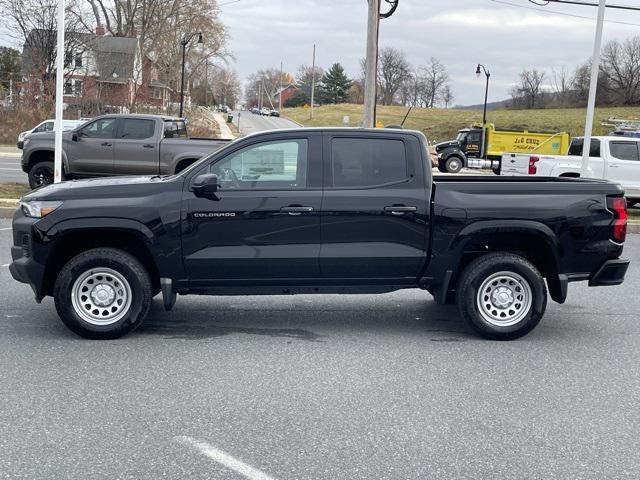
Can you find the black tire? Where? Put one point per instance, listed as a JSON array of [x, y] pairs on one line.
[[110, 263], [41, 174], [632, 202], [454, 164], [487, 319], [442, 169]]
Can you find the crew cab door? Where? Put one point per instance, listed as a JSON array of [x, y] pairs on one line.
[[263, 224], [375, 211], [623, 165], [135, 148], [91, 154]]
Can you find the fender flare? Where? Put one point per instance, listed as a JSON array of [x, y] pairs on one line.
[[556, 281], [27, 159]]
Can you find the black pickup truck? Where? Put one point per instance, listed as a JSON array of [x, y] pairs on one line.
[[317, 211]]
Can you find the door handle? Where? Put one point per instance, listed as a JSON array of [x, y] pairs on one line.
[[614, 166], [106, 144], [399, 209], [296, 209], [148, 145]]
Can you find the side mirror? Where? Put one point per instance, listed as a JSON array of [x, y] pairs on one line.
[[74, 136], [205, 185]]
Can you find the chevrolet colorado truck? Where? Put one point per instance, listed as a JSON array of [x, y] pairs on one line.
[[116, 145], [612, 158], [317, 211]]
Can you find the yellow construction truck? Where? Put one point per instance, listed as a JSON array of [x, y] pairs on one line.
[[478, 147]]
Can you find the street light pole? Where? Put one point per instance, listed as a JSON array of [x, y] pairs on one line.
[[484, 111], [184, 42]]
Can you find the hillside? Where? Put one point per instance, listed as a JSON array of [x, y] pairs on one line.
[[441, 124]]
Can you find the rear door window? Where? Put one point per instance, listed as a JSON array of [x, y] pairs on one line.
[[367, 162], [578, 143], [136, 129], [624, 150]]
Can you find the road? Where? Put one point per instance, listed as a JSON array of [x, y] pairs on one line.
[[251, 123], [322, 387], [10, 170]]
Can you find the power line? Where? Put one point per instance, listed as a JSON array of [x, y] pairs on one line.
[[544, 3], [565, 14]]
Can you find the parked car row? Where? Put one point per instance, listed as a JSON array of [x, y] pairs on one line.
[[276, 213], [265, 112]]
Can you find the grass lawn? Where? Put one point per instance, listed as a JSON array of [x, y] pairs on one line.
[[12, 191], [442, 124]]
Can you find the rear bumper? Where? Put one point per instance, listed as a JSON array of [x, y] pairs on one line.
[[611, 272]]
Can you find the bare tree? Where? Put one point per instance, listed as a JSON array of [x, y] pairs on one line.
[[447, 95], [561, 81], [621, 65], [529, 90], [35, 23], [266, 81], [436, 79], [393, 70]]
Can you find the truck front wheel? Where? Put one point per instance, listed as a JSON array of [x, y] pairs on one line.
[[454, 164], [501, 296], [41, 174], [103, 293]]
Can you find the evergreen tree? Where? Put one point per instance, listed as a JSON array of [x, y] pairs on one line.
[[335, 85]]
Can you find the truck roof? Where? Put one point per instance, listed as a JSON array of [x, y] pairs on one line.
[[165, 118], [375, 131]]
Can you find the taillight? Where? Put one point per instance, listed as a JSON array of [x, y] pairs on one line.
[[532, 165], [618, 205]]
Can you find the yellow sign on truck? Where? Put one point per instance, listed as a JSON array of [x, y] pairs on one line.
[[476, 147]]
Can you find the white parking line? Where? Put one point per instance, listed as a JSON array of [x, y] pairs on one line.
[[8, 228], [5, 265], [224, 459]]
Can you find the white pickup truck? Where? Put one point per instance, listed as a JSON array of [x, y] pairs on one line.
[[611, 158]]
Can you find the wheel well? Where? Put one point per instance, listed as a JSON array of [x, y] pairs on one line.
[[528, 245], [184, 163], [570, 175], [40, 156], [71, 244]]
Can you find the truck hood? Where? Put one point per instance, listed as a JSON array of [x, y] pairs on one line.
[[443, 145], [98, 187]]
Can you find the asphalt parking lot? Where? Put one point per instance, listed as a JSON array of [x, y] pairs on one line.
[[322, 387]]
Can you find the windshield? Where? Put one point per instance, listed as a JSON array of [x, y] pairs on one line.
[[462, 137]]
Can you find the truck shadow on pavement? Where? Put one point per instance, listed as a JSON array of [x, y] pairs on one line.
[[220, 317]]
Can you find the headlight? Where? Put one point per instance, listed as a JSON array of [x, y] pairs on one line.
[[26, 141], [36, 209]]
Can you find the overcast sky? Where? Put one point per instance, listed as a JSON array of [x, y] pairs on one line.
[[504, 35], [461, 33]]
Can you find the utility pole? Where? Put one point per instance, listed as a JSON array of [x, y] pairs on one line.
[[591, 105], [313, 79], [57, 153], [206, 82], [280, 95], [371, 64]]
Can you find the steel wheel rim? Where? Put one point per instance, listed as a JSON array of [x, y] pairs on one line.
[[101, 296], [454, 165], [504, 299]]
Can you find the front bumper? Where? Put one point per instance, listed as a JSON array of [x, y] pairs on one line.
[[611, 272], [25, 268]]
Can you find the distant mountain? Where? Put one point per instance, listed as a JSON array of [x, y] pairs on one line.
[[490, 106]]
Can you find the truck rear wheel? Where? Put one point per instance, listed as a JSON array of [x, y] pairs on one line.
[[103, 293], [454, 164], [501, 296]]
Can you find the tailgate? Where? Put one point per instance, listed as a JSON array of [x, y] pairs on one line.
[[515, 164]]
